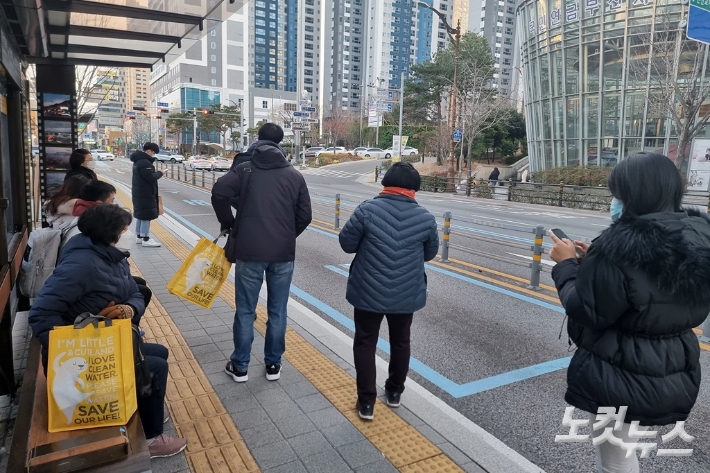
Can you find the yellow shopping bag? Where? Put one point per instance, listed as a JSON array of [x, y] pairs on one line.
[[91, 380], [201, 276]]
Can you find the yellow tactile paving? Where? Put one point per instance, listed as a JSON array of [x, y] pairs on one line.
[[393, 436], [200, 435]]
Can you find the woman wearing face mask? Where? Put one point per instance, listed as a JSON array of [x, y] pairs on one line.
[[82, 164], [632, 304]]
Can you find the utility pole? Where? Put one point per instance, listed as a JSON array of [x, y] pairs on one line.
[[299, 77], [194, 132], [401, 108]]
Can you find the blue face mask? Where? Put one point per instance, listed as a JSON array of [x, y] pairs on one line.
[[616, 208]]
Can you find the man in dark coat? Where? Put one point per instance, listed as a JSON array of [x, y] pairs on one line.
[[241, 158], [276, 208], [145, 192], [493, 177]]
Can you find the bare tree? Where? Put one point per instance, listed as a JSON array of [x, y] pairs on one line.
[[338, 123], [677, 72], [138, 130]]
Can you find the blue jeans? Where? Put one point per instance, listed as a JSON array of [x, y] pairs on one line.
[[142, 228], [248, 279]]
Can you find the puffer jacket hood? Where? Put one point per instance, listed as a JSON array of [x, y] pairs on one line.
[[82, 206], [269, 155], [139, 155], [673, 249], [63, 215], [392, 237], [632, 305]]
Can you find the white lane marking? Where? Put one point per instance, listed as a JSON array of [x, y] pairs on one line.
[[544, 261]]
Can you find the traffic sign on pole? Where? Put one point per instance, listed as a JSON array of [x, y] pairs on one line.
[[457, 136], [699, 21], [301, 114], [384, 107], [163, 104], [308, 109], [385, 95]]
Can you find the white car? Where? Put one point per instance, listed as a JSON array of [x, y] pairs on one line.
[[357, 150], [167, 156], [198, 162], [406, 150], [377, 153], [102, 155], [221, 164], [332, 150]]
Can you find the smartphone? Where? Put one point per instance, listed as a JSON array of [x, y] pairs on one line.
[[562, 236]]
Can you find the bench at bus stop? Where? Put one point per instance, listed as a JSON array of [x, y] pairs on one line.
[[35, 450]]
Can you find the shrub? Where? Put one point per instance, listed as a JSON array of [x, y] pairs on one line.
[[334, 158], [574, 175]]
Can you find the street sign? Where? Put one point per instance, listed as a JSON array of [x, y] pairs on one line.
[[304, 103], [385, 95], [301, 114], [163, 104], [384, 107], [372, 113], [309, 120], [87, 136], [304, 127], [130, 113], [374, 121], [699, 21], [308, 109], [457, 136]]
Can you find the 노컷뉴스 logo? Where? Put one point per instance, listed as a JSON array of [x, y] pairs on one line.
[[605, 415]]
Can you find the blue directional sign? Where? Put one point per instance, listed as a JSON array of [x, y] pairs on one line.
[[163, 104], [308, 109], [699, 21], [301, 114], [457, 136]]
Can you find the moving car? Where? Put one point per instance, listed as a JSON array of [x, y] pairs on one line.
[[198, 162], [312, 152], [406, 150], [357, 150], [221, 164], [377, 153], [332, 150], [166, 156], [102, 155]]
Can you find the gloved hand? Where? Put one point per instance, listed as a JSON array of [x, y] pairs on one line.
[[120, 311]]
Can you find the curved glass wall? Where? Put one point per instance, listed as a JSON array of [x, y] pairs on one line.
[[587, 71]]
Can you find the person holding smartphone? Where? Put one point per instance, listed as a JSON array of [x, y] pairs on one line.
[[632, 303]]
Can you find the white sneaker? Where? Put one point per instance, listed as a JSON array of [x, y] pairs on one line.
[[151, 243], [139, 240]]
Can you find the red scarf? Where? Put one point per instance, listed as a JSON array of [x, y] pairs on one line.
[[398, 191]]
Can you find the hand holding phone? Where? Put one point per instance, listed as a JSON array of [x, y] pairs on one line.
[[563, 236]]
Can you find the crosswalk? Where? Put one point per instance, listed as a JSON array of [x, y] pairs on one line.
[[335, 173]]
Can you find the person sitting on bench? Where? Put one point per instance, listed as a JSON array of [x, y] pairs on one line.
[[93, 276]]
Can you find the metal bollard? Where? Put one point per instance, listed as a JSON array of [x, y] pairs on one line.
[[203, 178], [193, 177], [213, 178], [376, 176], [536, 265], [337, 211], [562, 188], [469, 184], [510, 189], [445, 238]]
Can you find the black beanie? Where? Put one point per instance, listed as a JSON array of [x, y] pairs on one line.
[[402, 175]]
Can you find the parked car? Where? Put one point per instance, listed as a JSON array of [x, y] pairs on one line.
[[221, 164], [312, 152], [406, 150], [332, 150], [198, 162], [102, 155], [357, 150], [377, 153], [166, 156]]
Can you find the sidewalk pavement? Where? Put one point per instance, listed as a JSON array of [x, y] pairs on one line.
[[304, 422]]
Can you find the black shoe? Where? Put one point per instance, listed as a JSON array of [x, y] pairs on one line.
[[393, 399], [365, 411], [237, 376], [273, 372]]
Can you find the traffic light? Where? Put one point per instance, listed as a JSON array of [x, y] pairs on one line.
[[128, 117], [207, 112], [157, 117], [163, 110]]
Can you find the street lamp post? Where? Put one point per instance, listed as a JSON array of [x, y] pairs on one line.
[[455, 38]]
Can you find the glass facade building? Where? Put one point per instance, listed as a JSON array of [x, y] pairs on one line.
[[591, 71]]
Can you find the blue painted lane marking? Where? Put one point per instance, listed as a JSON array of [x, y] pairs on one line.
[[499, 235], [433, 376], [337, 270]]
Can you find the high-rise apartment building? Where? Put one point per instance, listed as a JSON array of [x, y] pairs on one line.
[[137, 88], [496, 21]]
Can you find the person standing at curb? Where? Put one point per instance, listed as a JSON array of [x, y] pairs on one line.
[[392, 236], [273, 209], [144, 192]]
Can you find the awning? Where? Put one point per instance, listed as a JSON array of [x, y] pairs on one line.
[[113, 33]]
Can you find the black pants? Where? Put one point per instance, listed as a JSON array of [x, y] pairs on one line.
[[145, 292], [151, 408], [367, 330]]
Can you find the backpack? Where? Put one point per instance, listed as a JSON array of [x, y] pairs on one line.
[[40, 258]]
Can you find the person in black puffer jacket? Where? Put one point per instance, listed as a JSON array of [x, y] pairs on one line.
[[392, 236], [144, 192], [632, 303]]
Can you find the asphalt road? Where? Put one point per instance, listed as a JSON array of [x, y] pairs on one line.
[[480, 325]]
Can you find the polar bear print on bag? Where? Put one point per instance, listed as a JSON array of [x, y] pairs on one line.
[[64, 390], [197, 271]]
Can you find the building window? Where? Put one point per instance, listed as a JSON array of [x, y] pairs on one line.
[[213, 45], [214, 81], [213, 57], [213, 33], [264, 104], [214, 70]]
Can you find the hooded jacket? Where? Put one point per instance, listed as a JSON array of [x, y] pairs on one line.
[[277, 207], [82, 206], [63, 214], [392, 237], [144, 186], [632, 304], [87, 278], [81, 171], [239, 159]]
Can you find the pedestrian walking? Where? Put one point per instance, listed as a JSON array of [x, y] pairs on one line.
[[145, 192], [392, 236], [632, 303], [273, 209], [493, 177]]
